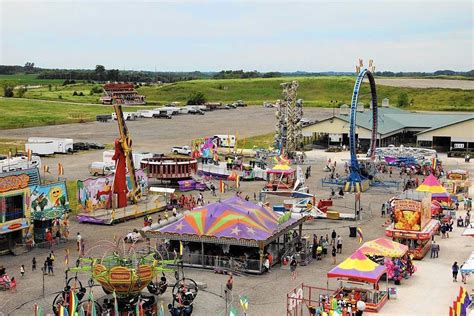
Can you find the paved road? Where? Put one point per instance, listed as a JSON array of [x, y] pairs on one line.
[[427, 83]]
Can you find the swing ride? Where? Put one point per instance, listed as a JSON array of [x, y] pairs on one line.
[[123, 271]]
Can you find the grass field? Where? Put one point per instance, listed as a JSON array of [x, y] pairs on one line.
[[19, 113], [7, 145], [316, 91], [29, 79], [260, 141]]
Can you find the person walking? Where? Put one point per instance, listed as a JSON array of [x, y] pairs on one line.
[[333, 237], [339, 244], [229, 285], [383, 209], [293, 265], [22, 270], [213, 189], [333, 254], [78, 241], [33, 264], [455, 270]]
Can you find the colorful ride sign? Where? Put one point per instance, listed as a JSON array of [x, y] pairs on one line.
[[411, 214], [11, 183]]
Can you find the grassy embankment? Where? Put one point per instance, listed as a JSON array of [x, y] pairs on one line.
[[316, 91]]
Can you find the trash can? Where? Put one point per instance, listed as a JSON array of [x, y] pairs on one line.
[[352, 232]]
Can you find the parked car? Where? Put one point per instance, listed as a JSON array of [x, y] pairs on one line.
[[230, 105], [239, 103], [195, 111], [182, 150], [101, 168], [80, 146], [96, 146], [162, 114]]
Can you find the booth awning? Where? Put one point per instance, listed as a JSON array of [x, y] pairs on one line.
[[384, 247], [358, 268], [432, 185]]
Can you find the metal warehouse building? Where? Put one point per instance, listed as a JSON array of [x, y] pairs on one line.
[[442, 131]]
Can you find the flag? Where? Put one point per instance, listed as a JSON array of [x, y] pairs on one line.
[[62, 311], [181, 248], [116, 308], [9, 154], [72, 302], [141, 311], [359, 234], [38, 310], [46, 169], [60, 169], [237, 182], [244, 302], [233, 311], [221, 186], [29, 154], [91, 311], [66, 257], [161, 311]]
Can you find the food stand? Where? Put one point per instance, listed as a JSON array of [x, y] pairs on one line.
[[393, 255], [412, 224], [362, 277], [457, 181]]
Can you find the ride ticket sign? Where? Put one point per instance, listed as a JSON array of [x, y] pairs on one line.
[[408, 214]]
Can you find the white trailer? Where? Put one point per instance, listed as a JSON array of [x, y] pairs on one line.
[[19, 163], [128, 116], [59, 145], [41, 149], [224, 140], [137, 158]]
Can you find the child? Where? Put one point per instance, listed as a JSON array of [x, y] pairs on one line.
[[33, 264], [13, 284], [22, 270]]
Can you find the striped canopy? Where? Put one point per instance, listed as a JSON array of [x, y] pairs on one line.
[[384, 247], [432, 185], [231, 218], [358, 268]]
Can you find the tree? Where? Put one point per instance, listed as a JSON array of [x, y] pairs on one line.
[[8, 89], [50, 87], [21, 92], [29, 67], [196, 98], [402, 100], [99, 71]]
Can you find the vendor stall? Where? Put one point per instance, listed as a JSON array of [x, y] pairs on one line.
[[412, 224], [231, 234], [457, 181], [393, 255], [362, 277], [281, 176]]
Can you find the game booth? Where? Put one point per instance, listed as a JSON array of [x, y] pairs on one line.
[[457, 181], [359, 279], [280, 177], [393, 255], [412, 224]]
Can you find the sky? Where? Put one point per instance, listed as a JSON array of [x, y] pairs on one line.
[[404, 35]]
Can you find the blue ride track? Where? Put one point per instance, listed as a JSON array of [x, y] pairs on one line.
[[354, 180]]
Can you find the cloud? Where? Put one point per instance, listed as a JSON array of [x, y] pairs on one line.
[[262, 35]]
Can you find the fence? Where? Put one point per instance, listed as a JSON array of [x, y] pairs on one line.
[[217, 262]]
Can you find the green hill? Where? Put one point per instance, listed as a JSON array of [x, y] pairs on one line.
[[316, 91]]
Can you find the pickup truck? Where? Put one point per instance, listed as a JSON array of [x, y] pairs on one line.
[[182, 150]]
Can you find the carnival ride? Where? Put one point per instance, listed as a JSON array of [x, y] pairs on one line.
[[356, 181], [289, 113], [123, 271], [124, 159]]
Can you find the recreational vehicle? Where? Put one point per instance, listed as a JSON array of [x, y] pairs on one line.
[[19, 163]]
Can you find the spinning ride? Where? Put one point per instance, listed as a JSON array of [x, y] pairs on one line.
[[123, 271], [355, 181]]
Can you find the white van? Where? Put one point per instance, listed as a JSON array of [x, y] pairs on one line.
[[99, 168], [224, 140]]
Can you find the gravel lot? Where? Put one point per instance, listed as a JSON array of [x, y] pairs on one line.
[[427, 83], [267, 293], [157, 135]]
